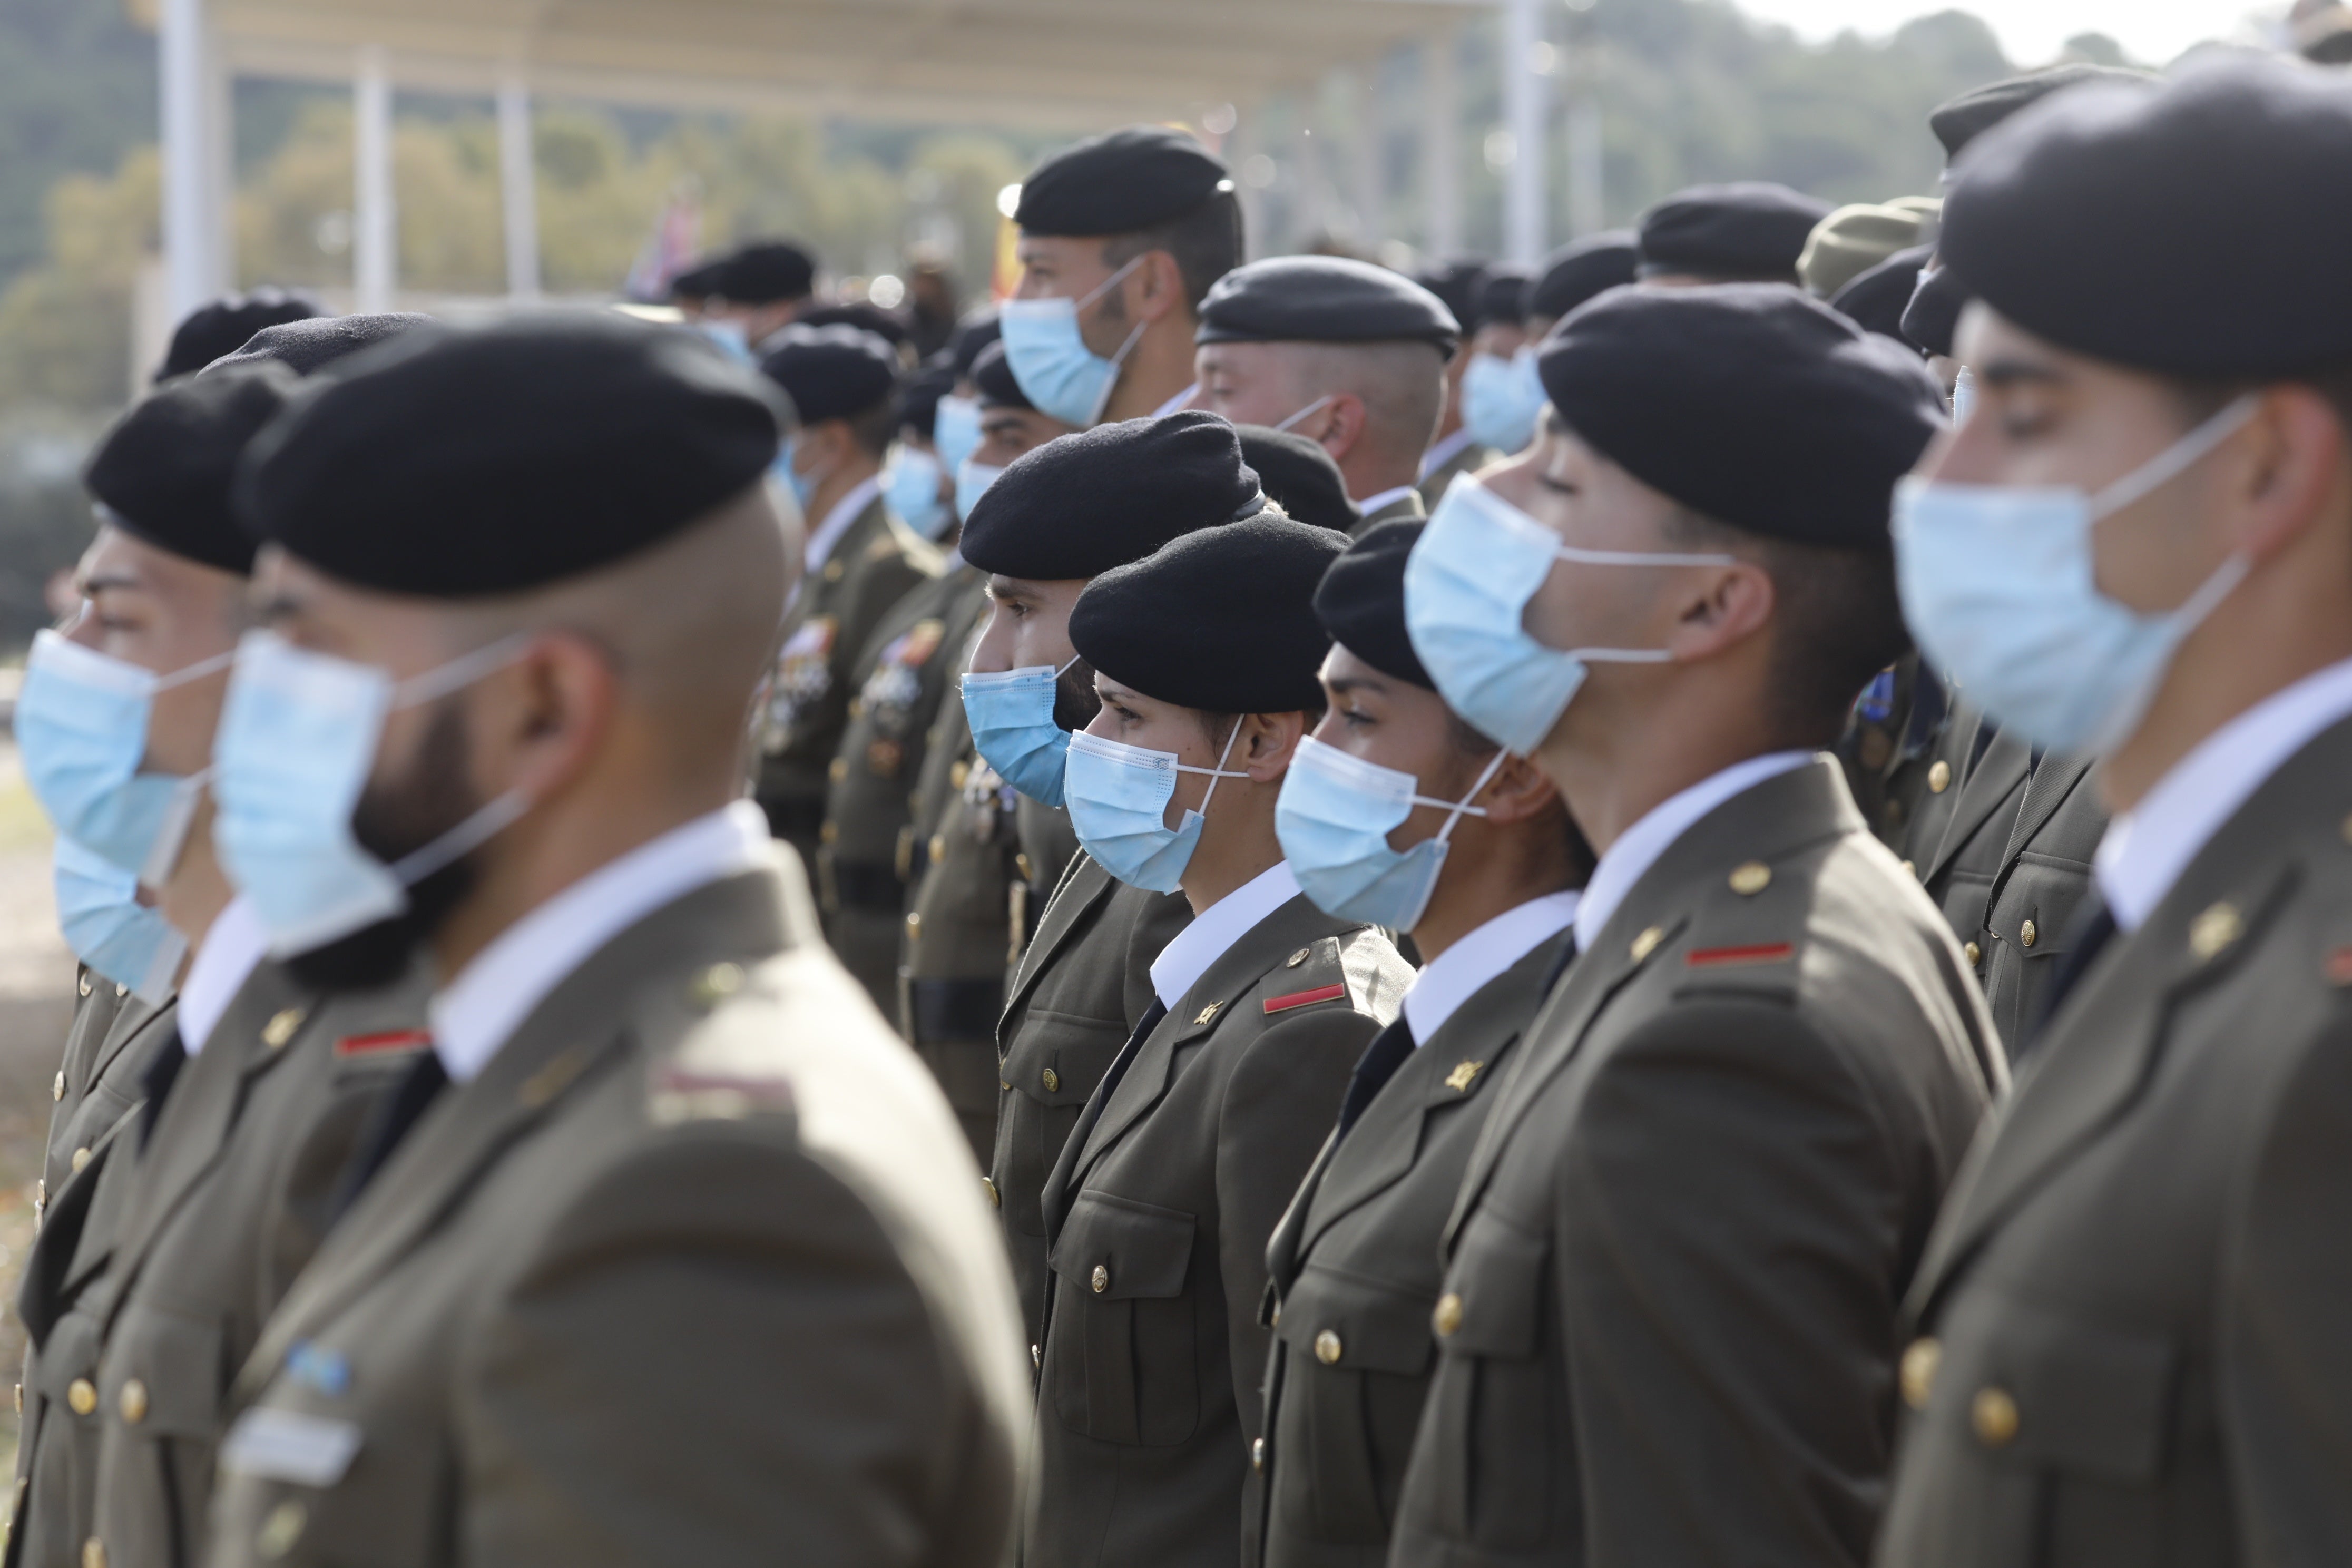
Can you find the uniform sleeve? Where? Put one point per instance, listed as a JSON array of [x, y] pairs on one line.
[[1728, 1230], [718, 1352], [1279, 1106], [2285, 1360]]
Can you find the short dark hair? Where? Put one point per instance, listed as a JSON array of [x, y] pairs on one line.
[[875, 429], [1837, 622], [1206, 243], [2201, 399]]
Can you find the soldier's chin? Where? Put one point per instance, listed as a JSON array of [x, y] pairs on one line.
[[380, 953]]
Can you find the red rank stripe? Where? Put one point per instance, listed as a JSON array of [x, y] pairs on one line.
[[1304, 998], [390, 1040], [1719, 957]]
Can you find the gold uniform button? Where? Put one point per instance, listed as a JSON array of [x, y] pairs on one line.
[[2028, 934], [958, 774], [81, 1396], [1296, 959], [995, 1199], [282, 1529], [1257, 1453], [1037, 1357], [1448, 1316], [80, 1158], [1053, 1080], [1993, 1415], [20, 1399], [1973, 954], [281, 1027], [1647, 942], [84, 985], [837, 769], [1021, 863], [1919, 1360], [1750, 879], [1910, 869], [120, 992], [830, 832], [914, 924], [1101, 1280], [719, 981], [57, 1085], [93, 1553], [1327, 1348], [1274, 1318], [132, 1402], [939, 849], [1939, 777], [2215, 929]]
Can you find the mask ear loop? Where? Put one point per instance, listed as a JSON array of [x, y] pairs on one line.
[[195, 671], [1633, 558], [1219, 771], [1303, 413], [1462, 808], [1094, 416], [2177, 458], [499, 815]]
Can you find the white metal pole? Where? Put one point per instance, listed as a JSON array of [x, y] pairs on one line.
[[1523, 114], [1441, 138], [1587, 199], [190, 251], [518, 186], [375, 230]]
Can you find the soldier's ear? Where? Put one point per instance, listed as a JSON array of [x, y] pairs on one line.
[[1520, 792], [1268, 741]]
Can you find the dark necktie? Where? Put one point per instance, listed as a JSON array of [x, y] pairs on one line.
[[1390, 1049], [1077, 1141], [406, 1105], [157, 1080]]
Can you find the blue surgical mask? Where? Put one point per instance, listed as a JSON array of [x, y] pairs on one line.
[[912, 490], [298, 739], [1050, 360], [972, 480], [2000, 586], [1011, 714], [1119, 798], [1501, 400], [81, 725], [728, 336], [804, 488], [1466, 587], [109, 928], [1334, 817], [955, 430]]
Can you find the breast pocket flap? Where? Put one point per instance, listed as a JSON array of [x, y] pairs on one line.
[[2094, 1399], [1492, 1304], [1347, 1321], [175, 1364], [1056, 1059], [1116, 1249]]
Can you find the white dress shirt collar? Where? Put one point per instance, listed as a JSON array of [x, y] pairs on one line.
[[219, 971], [1371, 504], [836, 521], [1213, 930], [1455, 975], [1177, 402], [477, 1013], [1638, 847], [2147, 847], [1444, 452]]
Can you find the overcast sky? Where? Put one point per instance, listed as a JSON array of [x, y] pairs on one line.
[[2030, 31]]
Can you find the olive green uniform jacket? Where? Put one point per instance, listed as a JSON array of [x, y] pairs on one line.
[[2132, 1316], [1158, 1215], [876, 563], [232, 1193], [1468, 460], [1081, 989], [907, 670], [1404, 508], [1668, 1334], [1354, 1278], [695, 1270]]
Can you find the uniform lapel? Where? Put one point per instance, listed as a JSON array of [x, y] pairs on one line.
[[1083, 887], [580, 1027], [2004, 766], [138, 1021], [2054, 783]]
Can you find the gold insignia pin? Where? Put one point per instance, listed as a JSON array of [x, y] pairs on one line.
[[1459, 1079], [281, 1027], [1751, 878], [2215, 929], [1647, 942], [1207, 1014]]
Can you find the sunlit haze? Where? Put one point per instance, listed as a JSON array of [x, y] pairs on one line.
[[2031, 32]]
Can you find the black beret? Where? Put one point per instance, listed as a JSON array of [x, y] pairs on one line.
[[1749, 229], [1575, 273], [1957, 122], [1086, 502], [1222, 619], [1457, 284], [223, 327], [973, 333], [1323, 298], [1876, 297], [2202, 228], [1361, 601], [317, 341], [1750, 403], [831, 373], [162, 471], [992, 377], [699, 282], [766, 271], [503, 458], [918, 395], [863, 314], [1933, 313], [1298, 475], [1118, 182], [1502, 297]]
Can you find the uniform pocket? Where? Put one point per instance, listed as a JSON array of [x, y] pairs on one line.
[[1122, 1356], [1494, 1448], [1053, 1063], [2050, 1392], [1357, 1352], [176, 1365]]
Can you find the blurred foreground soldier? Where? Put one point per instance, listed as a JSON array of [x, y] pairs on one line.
[[1679, 1249], [1159, 1210], [115, 723], [761, 289], [1461, 286], [2131, 1315], [223, 327], [917, 487], [1348, 353], [1874, 298], [662, 1167], [1298, 475], [930, 300], [857, 563], [1750, 231], [1573, 274], [1485, 880], [317, 341], [1481, 398], [964, 858], [693, 289], [1057, 518], [1120, 238]]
